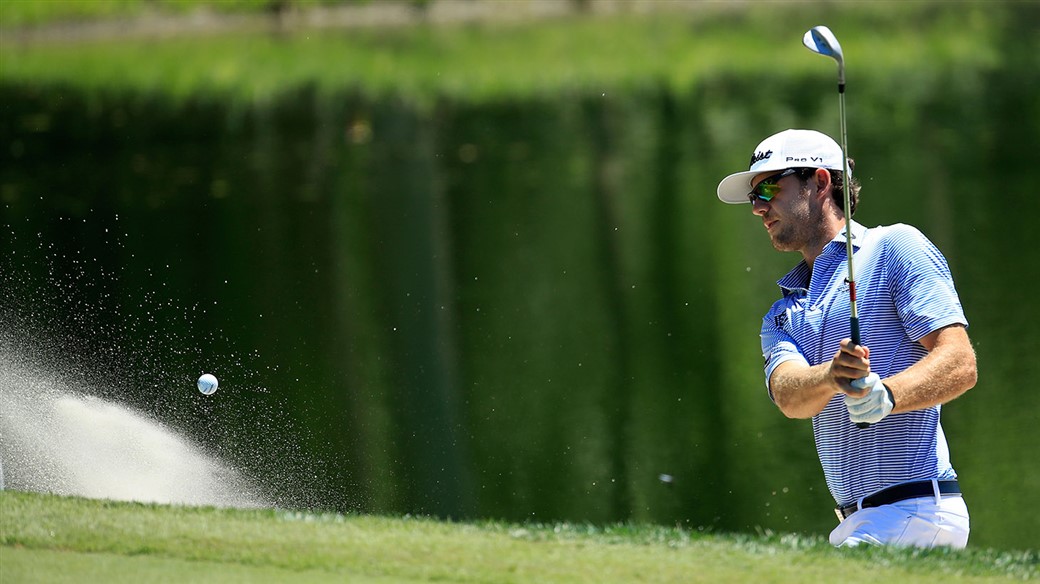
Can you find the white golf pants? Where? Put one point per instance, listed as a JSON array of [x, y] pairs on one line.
[[923, 522]]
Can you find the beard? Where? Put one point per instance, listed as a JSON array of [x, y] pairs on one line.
[[801, 228]]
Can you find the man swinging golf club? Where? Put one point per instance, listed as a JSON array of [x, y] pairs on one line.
[[891, 477]]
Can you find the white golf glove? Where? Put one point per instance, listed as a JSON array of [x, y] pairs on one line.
[[874, 405]]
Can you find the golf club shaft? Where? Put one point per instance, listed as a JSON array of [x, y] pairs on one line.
[[845, 184], [854, 314], [820, 40]]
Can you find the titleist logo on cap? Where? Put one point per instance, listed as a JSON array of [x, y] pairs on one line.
[[760, 156]]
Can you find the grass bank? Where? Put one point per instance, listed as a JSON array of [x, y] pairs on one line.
[[518, 60], [22, 13], [47, 538]]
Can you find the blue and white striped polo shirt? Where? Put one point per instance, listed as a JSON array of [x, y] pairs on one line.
[[904, 290]]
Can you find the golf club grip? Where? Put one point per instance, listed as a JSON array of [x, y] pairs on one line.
[[854, 325]]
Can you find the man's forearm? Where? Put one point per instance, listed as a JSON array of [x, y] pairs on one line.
[[946, 372], [801, 391]]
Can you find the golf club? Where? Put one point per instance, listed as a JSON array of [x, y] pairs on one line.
[[820, 39]]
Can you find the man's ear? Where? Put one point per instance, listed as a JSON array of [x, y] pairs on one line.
[[823, 180]]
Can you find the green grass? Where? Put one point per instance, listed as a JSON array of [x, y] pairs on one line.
[[22, 13], [47, 538], [551, 58], [15, 13]]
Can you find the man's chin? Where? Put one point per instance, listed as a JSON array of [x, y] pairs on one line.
[[782, 244]]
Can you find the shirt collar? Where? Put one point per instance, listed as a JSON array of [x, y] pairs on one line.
[[797, 280], [859, 232]]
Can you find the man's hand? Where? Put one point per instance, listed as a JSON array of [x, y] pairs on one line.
[[851, 362], [875, 401]]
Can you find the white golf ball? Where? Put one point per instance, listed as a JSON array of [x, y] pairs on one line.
[[207, 384]]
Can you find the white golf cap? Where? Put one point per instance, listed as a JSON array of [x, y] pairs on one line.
[[788, 149]]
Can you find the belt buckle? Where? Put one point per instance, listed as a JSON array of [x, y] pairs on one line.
[[844, 511]]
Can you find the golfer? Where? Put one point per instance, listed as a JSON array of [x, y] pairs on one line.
[[892, 480]]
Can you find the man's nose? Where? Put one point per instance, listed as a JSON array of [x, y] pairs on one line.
[[759, 207]]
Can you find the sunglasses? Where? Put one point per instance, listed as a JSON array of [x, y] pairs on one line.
[[767, 189]]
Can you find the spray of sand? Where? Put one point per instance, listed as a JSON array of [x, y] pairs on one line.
[[55, 440]]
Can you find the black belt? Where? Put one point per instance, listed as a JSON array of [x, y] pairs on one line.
[[898, 493]]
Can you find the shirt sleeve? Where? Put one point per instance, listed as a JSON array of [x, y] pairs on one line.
[[778, 346], [921, 283]]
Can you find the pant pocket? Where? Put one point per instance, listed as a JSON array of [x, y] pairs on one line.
[[934, 525], [918, 533]]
